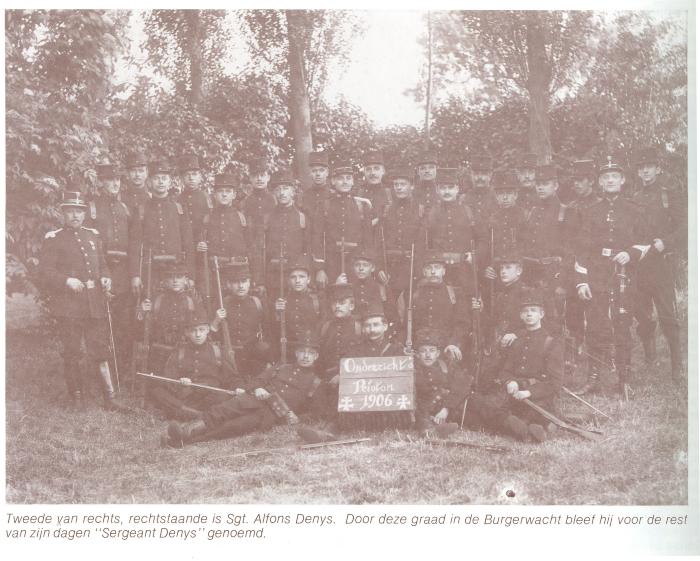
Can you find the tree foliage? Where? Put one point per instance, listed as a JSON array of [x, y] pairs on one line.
[[59, 66]]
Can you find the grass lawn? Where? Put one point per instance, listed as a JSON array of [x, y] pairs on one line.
[[55, 455]]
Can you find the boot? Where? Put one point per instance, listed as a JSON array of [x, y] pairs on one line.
[[516, 427], [623, 385], [180, 434], [537, 432], [649, 344], [592, 385], [110, 398], [314, 436]]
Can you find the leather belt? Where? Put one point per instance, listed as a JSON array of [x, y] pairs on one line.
[[113, 254], [164, 258], [453, 258], [227, 260], [553, 260]]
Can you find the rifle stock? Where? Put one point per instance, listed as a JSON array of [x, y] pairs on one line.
[[225, 333], [283, 317]]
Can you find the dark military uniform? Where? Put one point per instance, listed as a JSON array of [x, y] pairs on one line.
[[339, 338], [112, 219], [312, 200], [134, 197], [76, 253], [170, 313], [197, 203], [666, 217], [612, 225], [202, 364], [425, 193], [450, 230], [165, 230], [287, 233], [246, 317], [347, 219], [401, 226], [438, 386], [226, 233]]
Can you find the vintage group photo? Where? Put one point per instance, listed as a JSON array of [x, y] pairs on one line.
[[347, 257]]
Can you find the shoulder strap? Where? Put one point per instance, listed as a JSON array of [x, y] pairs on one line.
[[562, 212], [178, 206], [358, 328], [315, 303], [302, 220], [257, 302], [217, 353], [93, 210], [324, 328], [451, 293], [126, 209], [548, 343], [190, 302], [470, 214], [180, 357], [157, 302], [443, 366], [664, 197], [385, 349], [382, 292], [421, 210], [528, 214]]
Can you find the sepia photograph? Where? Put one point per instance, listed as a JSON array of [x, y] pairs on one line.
[[349, 257]]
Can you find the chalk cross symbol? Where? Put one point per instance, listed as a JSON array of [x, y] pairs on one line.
[[346, 404], [403, 402]]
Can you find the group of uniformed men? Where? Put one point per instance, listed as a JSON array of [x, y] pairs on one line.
[[486, 282]]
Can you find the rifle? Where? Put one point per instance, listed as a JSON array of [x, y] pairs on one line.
[[465, 444], [298, 447], [111, 340], [383, 242], [342, 255], [408, 349], [206, 280], [141, 348], [594, 408], [622, 276], [152, 376], [476, 319], [585, 433], [225, 333], [283, 318]]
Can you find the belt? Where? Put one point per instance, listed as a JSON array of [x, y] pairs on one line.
[[553, 260], [113, 254], [405, 253], [226, 260], [346, 244], [453, 258], [164, 258]]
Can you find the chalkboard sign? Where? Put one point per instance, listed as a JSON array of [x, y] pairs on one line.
[[383, 383]]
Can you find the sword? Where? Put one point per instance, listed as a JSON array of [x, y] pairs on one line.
[[111, 341]]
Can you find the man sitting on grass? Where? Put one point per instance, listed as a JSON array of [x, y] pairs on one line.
[[532, 369], [279, 393]]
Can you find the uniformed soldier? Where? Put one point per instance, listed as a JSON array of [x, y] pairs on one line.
[[302, 306], [196, 359], [480, 198], [666, 217], [545, 241], [255, 207], [194, 197], [274, 397], [376, 339], [451, 230], [163, 230], [439, 306], [611, 242], [136, 193], [74, 272], [346, 223], [245, 314], [427, 166], [373, 188], [170, 311], [286, 228], [340, 337], [366, 288], [225, 233], [112, 218], [400, 227], [314, 198], [525, 170], [585, 187], [532, 369], [440, 389]]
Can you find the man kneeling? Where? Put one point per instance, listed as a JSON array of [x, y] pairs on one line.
[[277, 394]]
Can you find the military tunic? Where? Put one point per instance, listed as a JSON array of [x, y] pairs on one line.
[[345, 218], [197, 204], [304, 312], [245, 316], [451, 230], [202, 364], [378, 195], [165, 230], [135, 199], [287, 233], [612, 225], [425, 193], [76, 253], [339, 338], [482, 203], [667, 220], [401, 224], [438, 386]]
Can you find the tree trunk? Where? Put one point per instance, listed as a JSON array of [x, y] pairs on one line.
[[539, 77], [299, 108], [194, 25]]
